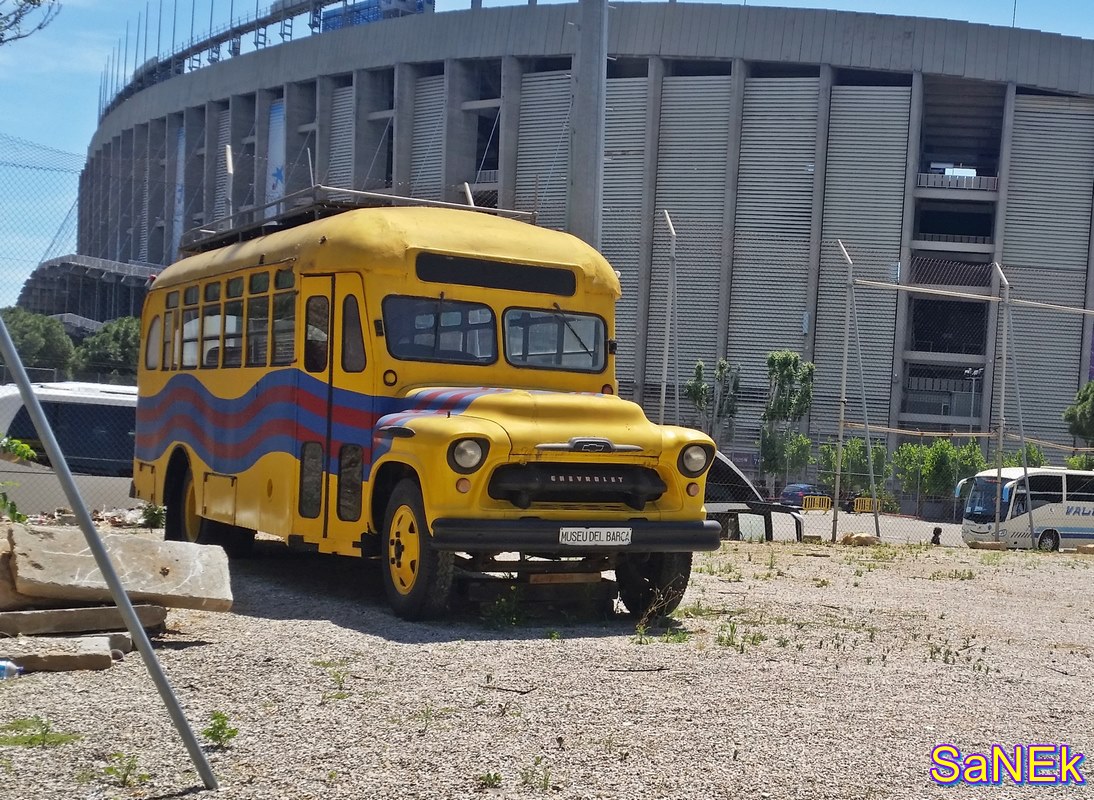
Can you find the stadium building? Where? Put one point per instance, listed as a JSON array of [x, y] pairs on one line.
[[930, 148]]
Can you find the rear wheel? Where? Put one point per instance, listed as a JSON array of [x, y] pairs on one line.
[[417, 577], [183, 524], [1048, 541], [652, 584]]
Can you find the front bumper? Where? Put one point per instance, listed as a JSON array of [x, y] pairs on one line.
[[542, 536]]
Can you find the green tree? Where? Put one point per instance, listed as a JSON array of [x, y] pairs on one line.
[[1080, 461], [1035, 457], [908, 466], [41, 341], [789, 397], [785, 453], [855, 472], [24, 17], [1079, 416], [715, 402], [114, 348]]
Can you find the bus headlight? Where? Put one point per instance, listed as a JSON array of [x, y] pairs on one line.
[[694, 459], [467, 455]]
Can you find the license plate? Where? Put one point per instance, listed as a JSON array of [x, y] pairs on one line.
[[594, 537]]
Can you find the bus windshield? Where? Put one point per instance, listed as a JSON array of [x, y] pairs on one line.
[[980, 507], [555, 339]]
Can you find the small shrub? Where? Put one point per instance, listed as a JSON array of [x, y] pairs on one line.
[[123, 770], [488, 780], [219, 732], [153, 516]]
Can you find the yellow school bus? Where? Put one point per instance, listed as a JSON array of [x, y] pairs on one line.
[[428, 387]]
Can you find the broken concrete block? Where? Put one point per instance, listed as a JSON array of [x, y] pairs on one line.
[[812, 538], [9, 598], [76, 620], [122, 642], [57, 564], [860, 540], [1085, 549], [57, 654]]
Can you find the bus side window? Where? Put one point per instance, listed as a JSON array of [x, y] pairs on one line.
[[316, 334], [153, 345], [170, 341], [353, 341], [1080, 488], [1045, 489], [258, 320], [210, 334], [233, 333], [284, 328]]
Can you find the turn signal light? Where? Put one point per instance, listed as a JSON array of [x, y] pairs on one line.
[[463, 486], [607, 389], [693, 489]]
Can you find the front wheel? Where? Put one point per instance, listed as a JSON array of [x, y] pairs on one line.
[[652, 584], [417, 577], [1048, 541]]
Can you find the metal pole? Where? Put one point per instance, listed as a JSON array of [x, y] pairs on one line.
[[668, 314], [843, 384], [866, 420], [102, 557], [1005, 285], [1021, 436]]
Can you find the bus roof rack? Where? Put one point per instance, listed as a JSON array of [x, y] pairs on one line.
[[308, 205]]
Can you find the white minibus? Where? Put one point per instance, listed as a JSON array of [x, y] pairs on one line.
[[1055, 511]]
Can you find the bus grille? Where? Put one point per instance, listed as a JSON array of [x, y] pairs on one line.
[[585, 484]]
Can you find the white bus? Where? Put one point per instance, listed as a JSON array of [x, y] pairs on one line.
[[1058, 505]]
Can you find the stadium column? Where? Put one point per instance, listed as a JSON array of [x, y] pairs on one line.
[[460, 130], [655, 80], [998, 235], [371, 127], [193, 212], [324, 110], [586, 180], [1086, 357], [241, 125], [820, 164], [740, 72], [125, 198], [907, 231], [402, 128], [512, 72], [300, 134]]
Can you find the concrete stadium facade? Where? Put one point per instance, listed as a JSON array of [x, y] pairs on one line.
[[930, 148]]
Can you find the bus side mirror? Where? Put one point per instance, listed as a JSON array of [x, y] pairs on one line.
[[1007, 491], [959, 487]]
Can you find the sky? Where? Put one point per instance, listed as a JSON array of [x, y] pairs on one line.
[[53, 77]]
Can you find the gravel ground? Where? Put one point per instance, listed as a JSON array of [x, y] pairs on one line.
[[789, 671]]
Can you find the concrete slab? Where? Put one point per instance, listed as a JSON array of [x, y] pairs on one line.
[[56, 654], [75, 620], [987, 546], [56, 564]]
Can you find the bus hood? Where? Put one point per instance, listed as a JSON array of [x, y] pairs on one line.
[[540, 423]]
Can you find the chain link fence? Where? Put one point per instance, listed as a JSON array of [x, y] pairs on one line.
[[95, 423]]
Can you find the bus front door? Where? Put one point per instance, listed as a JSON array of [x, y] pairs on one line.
[[336, 423]]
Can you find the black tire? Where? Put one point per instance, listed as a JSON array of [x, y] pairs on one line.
[[652, 584], [1048, 541], [417, 578], [182, 523]]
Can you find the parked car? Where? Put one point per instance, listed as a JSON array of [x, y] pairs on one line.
[[732, 499], [793, 493]]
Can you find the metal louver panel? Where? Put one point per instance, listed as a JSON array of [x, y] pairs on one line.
[[220, 198], [1049, 183], [426, 177], [1045, 346], [275, 156], [771, 242], [863, 208], [340, 147], [621, 223], [144, 200], [543, 147], [691, 186]]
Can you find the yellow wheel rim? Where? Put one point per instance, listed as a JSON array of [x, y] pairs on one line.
[[191, 520], [404, 549]]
